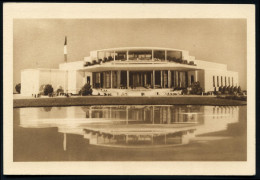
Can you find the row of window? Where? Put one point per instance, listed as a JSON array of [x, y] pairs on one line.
[[140, 55], [222, 81]]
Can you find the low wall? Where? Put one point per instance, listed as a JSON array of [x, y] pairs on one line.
[[107, 100]]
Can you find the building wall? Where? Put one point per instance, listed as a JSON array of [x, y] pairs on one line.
[[54, 77], [210, 65], [75, 81], [32, 80], [201, 79], [185, 55], [191, 73], [79, 80], [86, 74], [209, 74], [29, 82]]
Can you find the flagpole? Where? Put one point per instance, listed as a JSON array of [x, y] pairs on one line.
[[65, 50]]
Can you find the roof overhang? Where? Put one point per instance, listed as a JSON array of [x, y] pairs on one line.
[[134, 66]]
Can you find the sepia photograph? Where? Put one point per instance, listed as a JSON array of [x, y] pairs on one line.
[[129, 90]]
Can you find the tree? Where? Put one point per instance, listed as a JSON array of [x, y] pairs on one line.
[[18, 88], [48, 89], [86, 90]]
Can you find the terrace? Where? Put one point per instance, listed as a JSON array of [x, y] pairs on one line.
[[139, 56]]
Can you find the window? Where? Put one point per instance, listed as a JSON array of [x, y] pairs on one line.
[[221, 81], [120, 55], [140, 55], [229, 81], [232, 81], [159, 55], [225, 81], [213, 81], [217, 81], [174, 55]]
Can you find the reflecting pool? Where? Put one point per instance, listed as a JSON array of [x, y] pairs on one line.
[[130, 133]]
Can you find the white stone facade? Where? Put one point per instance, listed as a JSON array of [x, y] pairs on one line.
[[130, 68]]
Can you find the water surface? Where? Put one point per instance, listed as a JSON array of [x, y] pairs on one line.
[[130, 133]]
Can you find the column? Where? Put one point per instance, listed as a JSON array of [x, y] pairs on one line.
[[152, 56], [142, 79], [127, 79], [145, 79], [165, 79], [127, 56], [169, 116], [100, 79], [196, 76], [189, 78], [153, 78], [94, 78], [165, 55], [111, 79], [114, 56], [64, 141], [169, 79], [176, 79], [118, 79], [161, 79], [127, 109], [153, 114]]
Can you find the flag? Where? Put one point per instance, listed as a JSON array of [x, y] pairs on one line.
[[65, 45], [65, 49]]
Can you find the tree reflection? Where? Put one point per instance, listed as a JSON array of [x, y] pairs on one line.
[[47, 109]]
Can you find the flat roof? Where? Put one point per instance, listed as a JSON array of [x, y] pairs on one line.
[[139, 48]]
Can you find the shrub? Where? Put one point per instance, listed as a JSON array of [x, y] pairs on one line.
[[48, 89], [59, 90], [18, 88], [185, 91], [86, 90], [196, 89]]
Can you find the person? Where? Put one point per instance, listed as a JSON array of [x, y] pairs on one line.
[[239, 89], [220, 89], [228, 89], [231, 90], [224, 90], [235, 89]]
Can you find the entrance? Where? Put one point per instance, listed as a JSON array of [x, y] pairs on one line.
[[140, 79]]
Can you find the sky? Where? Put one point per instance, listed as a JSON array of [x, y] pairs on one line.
[[38, 43]]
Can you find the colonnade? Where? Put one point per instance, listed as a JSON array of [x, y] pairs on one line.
[[149, 114], [150, 79]]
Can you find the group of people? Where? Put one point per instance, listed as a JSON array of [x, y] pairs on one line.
[[51, 95], [36, 95], [228, 89]]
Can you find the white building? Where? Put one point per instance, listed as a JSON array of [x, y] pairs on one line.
[[131, 68]]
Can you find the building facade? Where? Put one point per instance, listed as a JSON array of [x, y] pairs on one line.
[[131, 68]]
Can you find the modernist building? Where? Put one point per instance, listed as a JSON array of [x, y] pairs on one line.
[[131, 68]]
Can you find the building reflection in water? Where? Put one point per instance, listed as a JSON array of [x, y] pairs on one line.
[[132, 125]]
